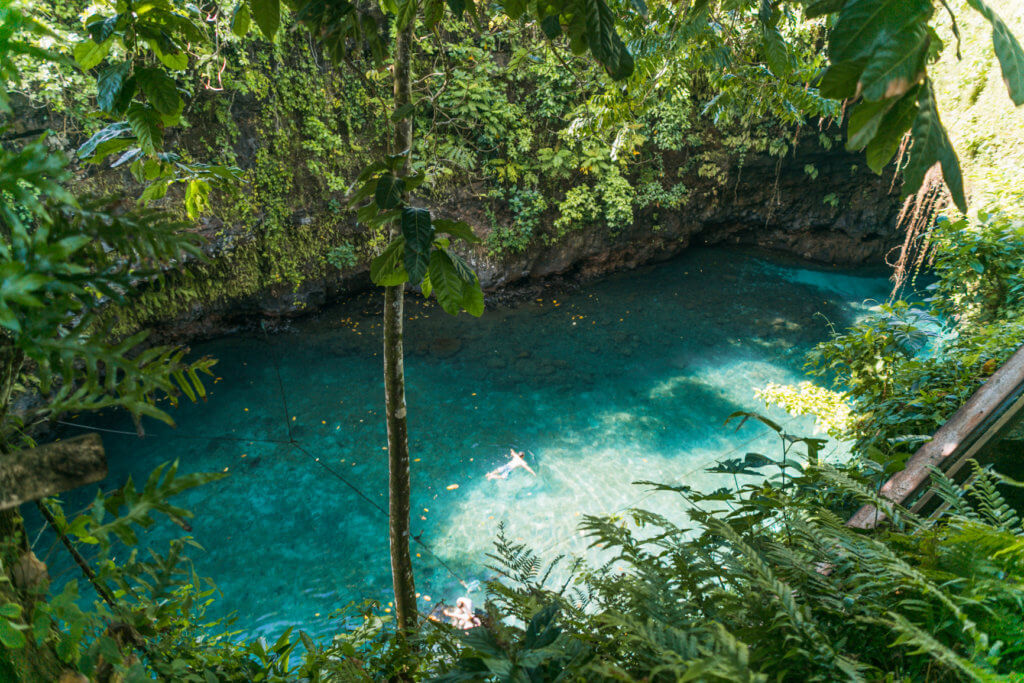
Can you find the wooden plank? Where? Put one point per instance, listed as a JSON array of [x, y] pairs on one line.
[[50, 469], [993, 431], [963, 434]]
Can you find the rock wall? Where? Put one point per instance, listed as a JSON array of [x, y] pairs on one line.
[[843, 215], [770, 204], [300, 132]]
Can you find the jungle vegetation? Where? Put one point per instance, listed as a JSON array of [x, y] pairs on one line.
[[767, 583]]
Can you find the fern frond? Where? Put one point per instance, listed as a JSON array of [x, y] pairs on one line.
[[953, 495], [924, 644], [990, 504], [847, 485]]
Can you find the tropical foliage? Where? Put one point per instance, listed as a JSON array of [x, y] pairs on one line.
[[903, 371], [767, 582], [715, 90]]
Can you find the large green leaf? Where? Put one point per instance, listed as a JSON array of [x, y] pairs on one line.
[[406, 13], [459, 229], [111, 132], [109, 84], [446, 282], [11, 636], [386, 269], [154, 191], [897, 65], [894, 126], [514, 8], [840, 80], [124, 97], [419, 237], [145, 123], [160, 90], [173, 60], [89, 53], [102, 27], [775, 53], [240, 20], [604, 41], [454, 284], [864, 123], [462, 268], [197, 197], [819, 8], [1008, 50], [473, 298], [551, 26], [932, 146], [863, 24], [388, 193], [267, 15], [457, 7]]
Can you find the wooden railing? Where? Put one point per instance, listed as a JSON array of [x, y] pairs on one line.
[[985, 416]]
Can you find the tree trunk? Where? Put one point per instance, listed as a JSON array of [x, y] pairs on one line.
[[398, 460], [394, 377], [26, 576]]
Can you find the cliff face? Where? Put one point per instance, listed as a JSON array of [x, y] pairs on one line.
[[497, 150], [844, 215]]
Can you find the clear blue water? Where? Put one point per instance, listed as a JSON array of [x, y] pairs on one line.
[[627, 379]]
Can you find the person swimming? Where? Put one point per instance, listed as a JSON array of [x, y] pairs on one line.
[[463, 616], [506, 469]]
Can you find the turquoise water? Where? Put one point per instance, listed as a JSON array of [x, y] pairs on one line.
[[628, 379]]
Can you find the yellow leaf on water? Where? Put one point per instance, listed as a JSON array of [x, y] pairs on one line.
[[452, 487]]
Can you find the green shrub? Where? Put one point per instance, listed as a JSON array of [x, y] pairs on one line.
[[767, 583], [343, 256]]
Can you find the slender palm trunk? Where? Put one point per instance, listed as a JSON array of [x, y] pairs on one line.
[[394, 378]]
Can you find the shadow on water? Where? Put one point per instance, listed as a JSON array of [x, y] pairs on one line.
[[628, 379]]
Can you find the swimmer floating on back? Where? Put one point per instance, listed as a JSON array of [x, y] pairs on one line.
[[506, 469]]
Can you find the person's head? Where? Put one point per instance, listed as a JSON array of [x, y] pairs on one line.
[[464, 604]]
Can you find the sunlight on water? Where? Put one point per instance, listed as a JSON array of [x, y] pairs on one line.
[[630, 379]]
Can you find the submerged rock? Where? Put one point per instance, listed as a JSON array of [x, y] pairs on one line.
[[445, 347]]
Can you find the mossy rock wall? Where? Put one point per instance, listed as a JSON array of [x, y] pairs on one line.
[[496, 152]]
